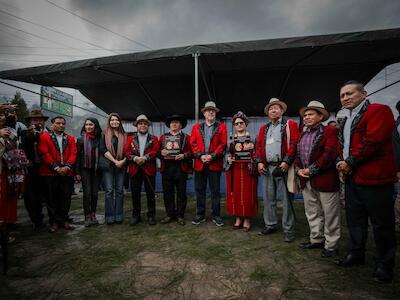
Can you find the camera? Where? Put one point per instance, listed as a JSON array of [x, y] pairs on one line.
[[9, 111]]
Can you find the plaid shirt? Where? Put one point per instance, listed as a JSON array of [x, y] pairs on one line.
[[306, 143]]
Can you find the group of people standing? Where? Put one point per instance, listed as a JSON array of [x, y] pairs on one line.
[[313, 158]]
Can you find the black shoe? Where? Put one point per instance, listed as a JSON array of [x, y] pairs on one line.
[[329, 253], [53, 228], [151, 221], [350, 260], [309, 245], [135, 220], [217, 220], [167, 220], [38, 226], [181, 221], [288, 237], [119, 222], [198, 220], [268, 230], [383, 275]]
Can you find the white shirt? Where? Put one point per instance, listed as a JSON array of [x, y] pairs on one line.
[[350, 115], [273, 142], [142, 142], [59, 141]]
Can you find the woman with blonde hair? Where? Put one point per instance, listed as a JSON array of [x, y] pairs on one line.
[[112, 163]]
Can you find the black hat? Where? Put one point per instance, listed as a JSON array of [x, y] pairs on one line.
[[36, 113], [179, 118]]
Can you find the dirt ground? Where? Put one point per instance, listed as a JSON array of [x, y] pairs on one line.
[[178, 262]]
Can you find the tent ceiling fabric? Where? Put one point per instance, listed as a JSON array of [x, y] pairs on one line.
[[237, 75]]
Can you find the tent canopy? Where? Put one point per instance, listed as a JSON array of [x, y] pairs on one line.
[[238, 75]]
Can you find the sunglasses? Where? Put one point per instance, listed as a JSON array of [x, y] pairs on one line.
[[238, 123]]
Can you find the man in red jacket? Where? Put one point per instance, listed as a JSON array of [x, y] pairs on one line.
[[317, 152], [369, 167], [208, 141], [276, 147], [57, 151], [141, 150], [176, 164]]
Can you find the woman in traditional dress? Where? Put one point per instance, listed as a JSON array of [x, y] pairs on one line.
[[112, 147], [87, 168], [13, 164], [241, 181]]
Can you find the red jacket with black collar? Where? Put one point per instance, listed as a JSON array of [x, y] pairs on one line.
[[186, 163], [50, 155], [371, 155], [322, 163], [150, 152], [217, 146], [288, 155]]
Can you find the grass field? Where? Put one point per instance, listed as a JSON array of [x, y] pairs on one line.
[[179, 262]]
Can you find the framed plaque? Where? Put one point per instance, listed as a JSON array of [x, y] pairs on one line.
[[173, 146], [238, 146]]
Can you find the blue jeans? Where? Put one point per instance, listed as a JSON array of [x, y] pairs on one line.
[[213, 179], [272, 186], [113, 181]]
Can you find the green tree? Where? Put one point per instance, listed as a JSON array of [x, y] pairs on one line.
[[21, 109]]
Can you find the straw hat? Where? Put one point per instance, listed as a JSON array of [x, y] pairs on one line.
[[141, 118], [315, 105], [274, 101], [210, 105]]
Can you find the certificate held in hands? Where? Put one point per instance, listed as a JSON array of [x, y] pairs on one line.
[[173, 146]]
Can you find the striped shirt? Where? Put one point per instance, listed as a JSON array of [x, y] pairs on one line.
[[306, 143]]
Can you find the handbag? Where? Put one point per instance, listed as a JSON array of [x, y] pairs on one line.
[[293, 184], [16, 163]]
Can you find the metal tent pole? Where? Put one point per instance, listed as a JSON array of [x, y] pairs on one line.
[[196, 86]]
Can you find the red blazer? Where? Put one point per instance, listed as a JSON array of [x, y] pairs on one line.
[[50, 156], [150, 152], [371, 154], [324, 153], [186, 163], [288, 155], [217, 146]]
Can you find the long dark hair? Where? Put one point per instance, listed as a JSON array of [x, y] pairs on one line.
[[97, 128], [120, 128]]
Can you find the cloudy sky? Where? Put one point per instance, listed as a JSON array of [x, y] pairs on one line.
[[39, 32]]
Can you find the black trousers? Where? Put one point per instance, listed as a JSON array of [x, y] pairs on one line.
[[375, 202], [58, 191], [34, 196], [173, 178], [136, 186], [90, 184]]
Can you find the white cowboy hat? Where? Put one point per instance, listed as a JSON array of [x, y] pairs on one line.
[[141, 118], [315, 105], [274, 101], [210, 105]]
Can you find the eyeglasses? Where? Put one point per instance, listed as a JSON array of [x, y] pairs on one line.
[[238, 123]]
